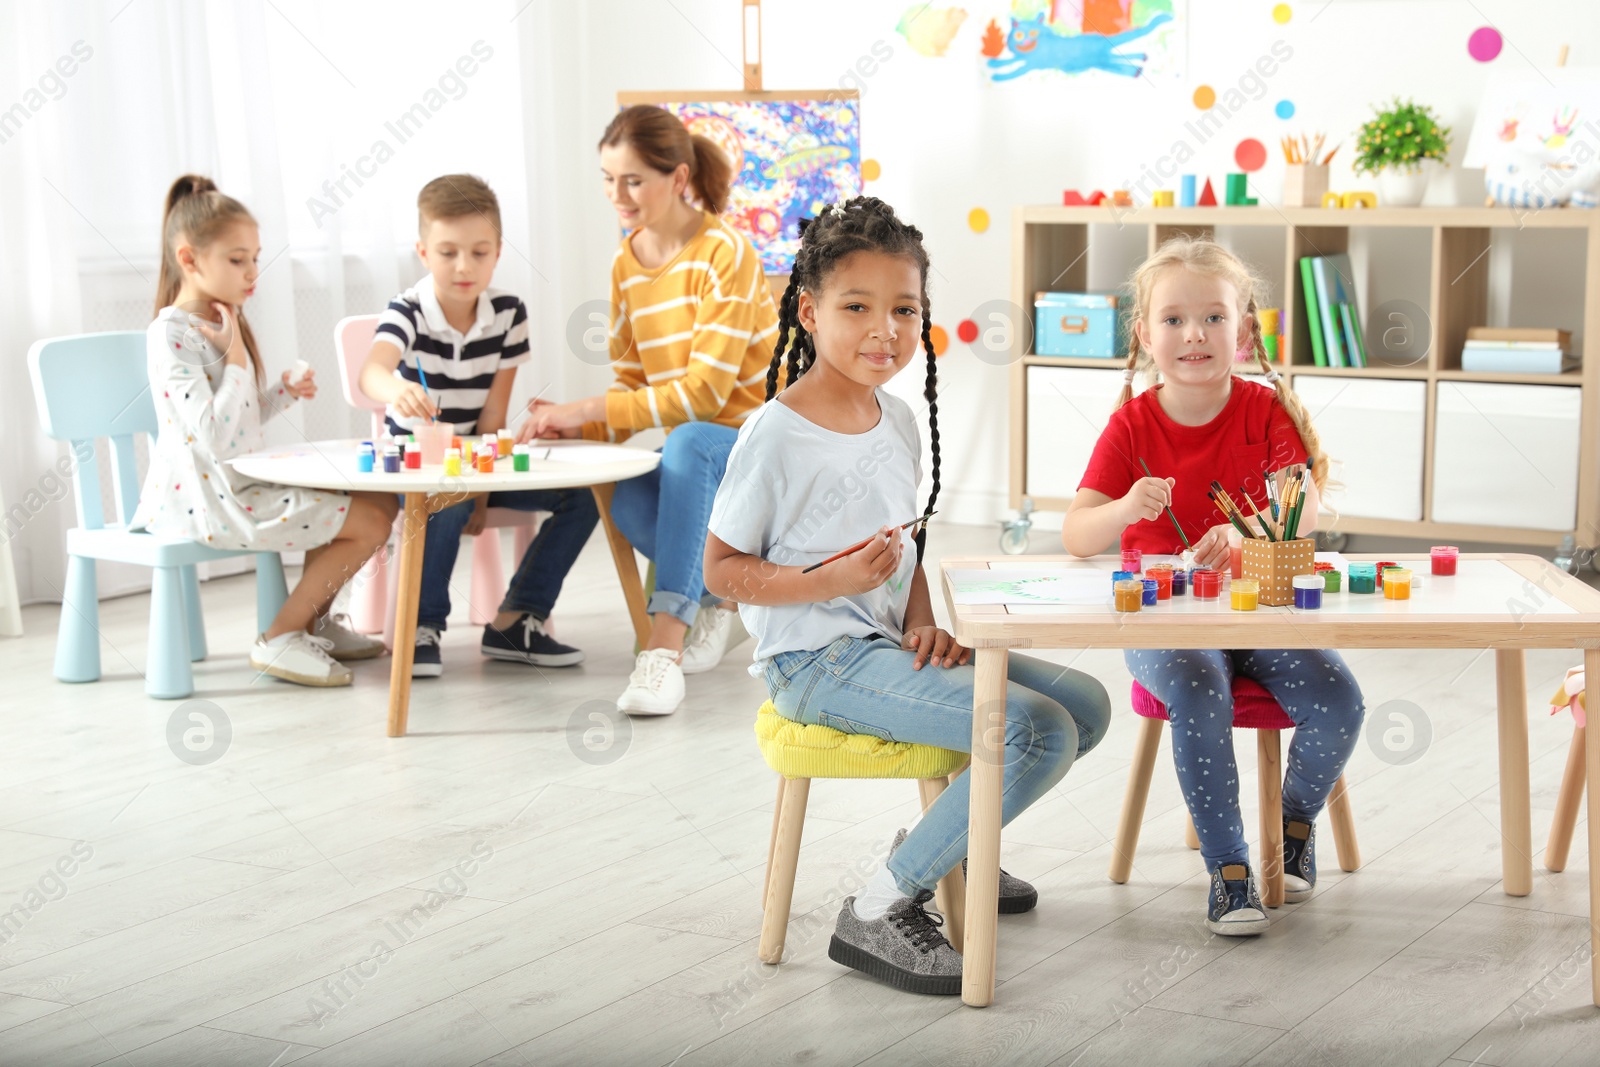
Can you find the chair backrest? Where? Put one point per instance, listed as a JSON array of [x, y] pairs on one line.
[[352, 340], [89, 386]]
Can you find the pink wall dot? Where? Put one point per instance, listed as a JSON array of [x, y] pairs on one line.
[[1484, 44]]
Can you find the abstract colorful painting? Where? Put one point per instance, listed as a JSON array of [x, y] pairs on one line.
[[793, 156], [1128, 38]]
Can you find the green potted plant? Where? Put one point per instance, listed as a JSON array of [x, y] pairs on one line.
[[1402, 144]]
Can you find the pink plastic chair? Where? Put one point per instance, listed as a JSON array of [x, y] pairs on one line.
[[372, 592]]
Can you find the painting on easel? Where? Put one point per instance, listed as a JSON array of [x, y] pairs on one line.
[[792, 153]]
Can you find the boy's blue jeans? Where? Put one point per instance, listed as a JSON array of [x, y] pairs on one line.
[[866, 686], [665, 513], [1314, 687], [544, 566]]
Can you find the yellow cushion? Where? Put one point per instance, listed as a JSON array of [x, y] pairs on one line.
[[795, 750]]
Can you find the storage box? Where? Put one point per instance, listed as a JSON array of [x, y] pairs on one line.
[[1081, 325], [1275, 564]]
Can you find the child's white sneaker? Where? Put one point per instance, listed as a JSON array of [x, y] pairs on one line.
[[300, 658], [656, 685], [347, 644]]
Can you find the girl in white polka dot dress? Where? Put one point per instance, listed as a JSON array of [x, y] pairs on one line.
[[207, 384], [1194, 308]]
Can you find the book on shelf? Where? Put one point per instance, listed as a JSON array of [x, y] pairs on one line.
[[1520, 333], [1516, 357], [1333, 316], [1308, 286]]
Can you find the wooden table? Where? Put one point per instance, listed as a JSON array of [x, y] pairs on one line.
[[332, 465], [1501, 601]]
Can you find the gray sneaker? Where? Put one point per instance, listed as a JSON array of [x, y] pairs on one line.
[[1016, 896], [904, 948]]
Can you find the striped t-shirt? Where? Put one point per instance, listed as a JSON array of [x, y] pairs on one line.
[[460, 367], [691, 340]]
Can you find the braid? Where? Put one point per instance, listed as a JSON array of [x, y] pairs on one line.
[[786, 321], [930, 393]]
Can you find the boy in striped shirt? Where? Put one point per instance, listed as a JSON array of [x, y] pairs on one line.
[[468, 339]]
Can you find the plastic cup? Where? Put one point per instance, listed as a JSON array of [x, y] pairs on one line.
[[1363, 578], [1151, 591], [1397, 584], [1128, 593], [1207, 583], [433, 439], [1244, 594], [1132, 559], [1162, 573], [1235, 561], [1330, 581]]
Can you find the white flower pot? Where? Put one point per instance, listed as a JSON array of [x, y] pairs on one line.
[[1402, 188]]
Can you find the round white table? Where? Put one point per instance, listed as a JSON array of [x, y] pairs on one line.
[[552, 465]]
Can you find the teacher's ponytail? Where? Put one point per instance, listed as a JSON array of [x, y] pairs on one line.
[[711, 174]]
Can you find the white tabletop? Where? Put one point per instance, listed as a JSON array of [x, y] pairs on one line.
[[553, 465]]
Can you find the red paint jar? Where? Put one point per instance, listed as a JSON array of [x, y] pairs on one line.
[[1205, 583], [1444, 558]]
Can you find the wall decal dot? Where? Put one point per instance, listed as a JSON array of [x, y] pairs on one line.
[[1282, 13], [1285, 109], [1251, 155], [1204, 97], [967, 331], [870, 170], [978, 219], [940, 339], [1484, 44]]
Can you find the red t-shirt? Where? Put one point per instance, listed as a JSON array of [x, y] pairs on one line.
[[1252, 436]]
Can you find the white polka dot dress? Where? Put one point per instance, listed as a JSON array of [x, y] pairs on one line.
[[208, 412]]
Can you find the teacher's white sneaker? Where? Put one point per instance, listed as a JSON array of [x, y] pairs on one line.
[[656, 685]]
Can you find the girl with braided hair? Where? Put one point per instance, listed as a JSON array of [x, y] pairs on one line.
[[1194, 307], [834, 460]]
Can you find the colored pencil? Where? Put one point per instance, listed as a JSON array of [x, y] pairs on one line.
[[1168, 509], [858, 546]]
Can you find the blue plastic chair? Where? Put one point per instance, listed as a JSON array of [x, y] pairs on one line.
[[91, 386]]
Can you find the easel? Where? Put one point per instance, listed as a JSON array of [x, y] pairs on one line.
[[751, 13]]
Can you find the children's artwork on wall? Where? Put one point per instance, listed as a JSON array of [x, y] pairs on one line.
[[1537, 136], [792, 153], [1128, 38], [929, 30]]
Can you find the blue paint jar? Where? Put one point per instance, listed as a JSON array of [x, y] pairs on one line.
[[364, 457], [1308, 591], [1152, 589]]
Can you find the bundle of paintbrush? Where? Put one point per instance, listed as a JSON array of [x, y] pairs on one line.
[[1285, 505], [1230, 511]]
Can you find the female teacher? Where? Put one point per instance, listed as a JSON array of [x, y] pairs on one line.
[[692, 334]]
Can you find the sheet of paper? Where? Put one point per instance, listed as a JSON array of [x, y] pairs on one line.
[[1033, 585], [589, 455]]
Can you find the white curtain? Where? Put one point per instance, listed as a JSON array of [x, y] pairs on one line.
[[324, 119]]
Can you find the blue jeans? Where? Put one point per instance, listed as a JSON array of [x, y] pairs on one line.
[[665, 514], [866, 686], [544, 566], [1314, 687]]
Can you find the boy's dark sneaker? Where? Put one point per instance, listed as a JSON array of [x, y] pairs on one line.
[[525, 641], [1016, 896], [1234, 908], [1299, 860], [904, 948], [425, 662]]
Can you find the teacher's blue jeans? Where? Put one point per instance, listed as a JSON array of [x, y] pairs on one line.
[[865, 685], [665, 514]]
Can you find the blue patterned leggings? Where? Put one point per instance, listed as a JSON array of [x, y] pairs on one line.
[[1315, 688]]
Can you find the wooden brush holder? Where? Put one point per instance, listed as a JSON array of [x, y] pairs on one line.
[[1275, 564]]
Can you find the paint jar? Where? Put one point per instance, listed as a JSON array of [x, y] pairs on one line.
[[1330, 580], [486, 456], [491, 445], [1244, 594], [1180, 583], [413, 456], [391, 459], [1132, 559], [1322, 566], [505, 439], [1363, 578], [1444, 558], [519, 457], [364, 457], [1308, 591], [1127, 593], [1119, 576], [1162, 573], [469, 453], [1235, 560], [1207, 583], [452, 462], [1397, 584], [433, 438], [1385, 566], [1151, 591]]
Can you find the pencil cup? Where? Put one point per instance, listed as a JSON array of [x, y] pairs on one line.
[[1275, 564], [1304, 184]]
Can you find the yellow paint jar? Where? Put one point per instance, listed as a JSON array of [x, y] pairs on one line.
[[1244, 594]]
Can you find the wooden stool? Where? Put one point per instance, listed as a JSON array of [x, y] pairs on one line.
[[1253, 709], [800, 753]]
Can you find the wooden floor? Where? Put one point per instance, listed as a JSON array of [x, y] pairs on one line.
[[524, 880]]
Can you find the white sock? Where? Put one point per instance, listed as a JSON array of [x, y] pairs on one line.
[[873, 902]]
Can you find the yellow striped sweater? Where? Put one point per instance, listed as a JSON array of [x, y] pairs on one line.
[[691, 340]]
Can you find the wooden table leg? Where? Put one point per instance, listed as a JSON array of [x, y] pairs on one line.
[[983, 827], [627, 566], [1516, 821], [1591, 668], [413, 535]]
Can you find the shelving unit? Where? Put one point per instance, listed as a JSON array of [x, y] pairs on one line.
[[1052, 248]]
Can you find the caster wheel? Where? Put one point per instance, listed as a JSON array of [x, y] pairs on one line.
[[1014, 540]]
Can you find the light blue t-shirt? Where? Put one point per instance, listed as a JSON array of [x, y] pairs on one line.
[[795, 493]]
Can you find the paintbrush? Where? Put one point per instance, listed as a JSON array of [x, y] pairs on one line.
[[858, 546], [1168, 510]]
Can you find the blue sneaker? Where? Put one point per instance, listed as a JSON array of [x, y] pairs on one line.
[[1299, 860], [425, 662], [1234, 908]]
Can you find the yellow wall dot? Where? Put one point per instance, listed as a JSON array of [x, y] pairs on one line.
[[940, 339], [1204, 97], [870, 170], [978, 219], [1282, 13]]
